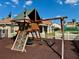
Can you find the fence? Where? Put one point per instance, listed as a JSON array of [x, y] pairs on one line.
[[69, 35]]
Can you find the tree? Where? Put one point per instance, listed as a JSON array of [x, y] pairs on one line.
[[73, 21]]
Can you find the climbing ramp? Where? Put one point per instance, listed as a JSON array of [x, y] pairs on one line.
[[20, 42]]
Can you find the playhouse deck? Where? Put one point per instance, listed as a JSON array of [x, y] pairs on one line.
[[37, 51]]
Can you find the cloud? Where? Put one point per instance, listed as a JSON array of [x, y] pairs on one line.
[[29, 2], [71, 1], [15, 15], [75, 4], [60, 2], [15, 1], [0, 4], [13, 6], [58, 16], [8, 3], [5, 4], [24, 6]]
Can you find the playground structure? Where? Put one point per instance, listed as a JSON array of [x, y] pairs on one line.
[[29, 26]]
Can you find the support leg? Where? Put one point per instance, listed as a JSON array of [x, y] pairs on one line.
[[32, 35]]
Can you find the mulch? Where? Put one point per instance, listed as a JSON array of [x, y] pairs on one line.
[[37, 51]]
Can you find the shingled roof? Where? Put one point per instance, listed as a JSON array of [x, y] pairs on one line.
[[6, 21], [34, 15], [21, 15], [30, 14]]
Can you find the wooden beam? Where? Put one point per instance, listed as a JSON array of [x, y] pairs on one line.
[[57, 18]]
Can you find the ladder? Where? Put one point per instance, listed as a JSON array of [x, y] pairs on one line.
[[20, 42]]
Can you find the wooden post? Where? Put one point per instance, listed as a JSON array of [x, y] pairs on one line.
[[62, 30], [24, 18], [32, 35], [35, 16]]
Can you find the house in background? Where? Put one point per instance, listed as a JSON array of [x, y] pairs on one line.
[[71, 24], [7, 29]]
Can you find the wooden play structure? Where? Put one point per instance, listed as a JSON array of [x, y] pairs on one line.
[[22, 36], [27, 26]]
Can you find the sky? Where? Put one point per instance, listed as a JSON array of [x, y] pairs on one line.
[[45, 8]]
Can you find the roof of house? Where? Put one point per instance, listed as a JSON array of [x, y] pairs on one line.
[[6, 21], [47, 22], [71, 23], [56, 25]]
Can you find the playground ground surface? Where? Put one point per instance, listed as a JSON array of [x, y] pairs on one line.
[[37, 51]]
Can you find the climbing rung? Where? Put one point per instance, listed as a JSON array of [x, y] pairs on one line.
[[20, 42]]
